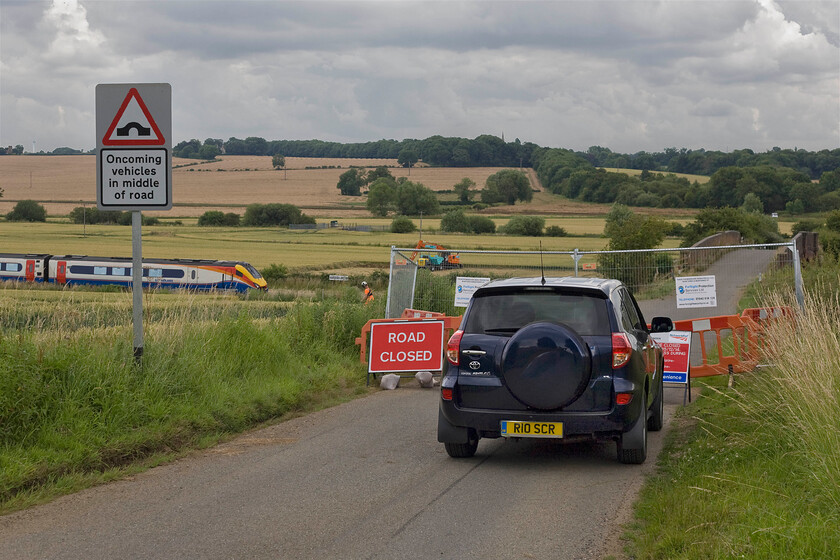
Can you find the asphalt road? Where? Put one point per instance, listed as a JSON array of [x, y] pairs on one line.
[[366, 479]]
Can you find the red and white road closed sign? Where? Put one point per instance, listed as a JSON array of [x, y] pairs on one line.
[[406, 346]]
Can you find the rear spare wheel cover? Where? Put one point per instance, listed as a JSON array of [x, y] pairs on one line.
[[546, 365]]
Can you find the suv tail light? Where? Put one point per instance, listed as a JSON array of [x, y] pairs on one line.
[[623, 398], [621, 350], [453, 347]]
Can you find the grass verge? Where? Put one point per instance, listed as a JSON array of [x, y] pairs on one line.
[[754, 472], [75, 409]]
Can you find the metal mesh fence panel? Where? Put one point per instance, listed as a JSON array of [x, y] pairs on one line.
[[651, 274], [400, 285]]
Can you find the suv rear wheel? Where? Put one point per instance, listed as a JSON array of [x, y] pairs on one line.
[[462, 450], [632, 445], [657, 417]]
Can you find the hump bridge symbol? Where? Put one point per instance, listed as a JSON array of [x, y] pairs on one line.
[[141, 130]]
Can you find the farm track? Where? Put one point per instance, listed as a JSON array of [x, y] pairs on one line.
[[535, 180]]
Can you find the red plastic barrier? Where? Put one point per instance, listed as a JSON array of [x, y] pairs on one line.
[[418, 314], [746, 331], [763, 314]]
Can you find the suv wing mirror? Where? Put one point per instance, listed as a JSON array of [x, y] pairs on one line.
[[661, 324]]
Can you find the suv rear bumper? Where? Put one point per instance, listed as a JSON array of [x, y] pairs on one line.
[[456, 423]]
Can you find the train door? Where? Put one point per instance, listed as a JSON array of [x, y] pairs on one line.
[[30, 271], [61, 272]]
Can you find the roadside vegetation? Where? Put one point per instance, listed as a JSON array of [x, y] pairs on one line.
[[754, 471], [76, 410]]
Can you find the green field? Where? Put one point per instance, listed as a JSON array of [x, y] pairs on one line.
[[326, 250], [701, 179]]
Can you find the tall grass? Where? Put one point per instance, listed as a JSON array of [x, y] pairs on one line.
[[72, 401], [754, 472], [799, 400]]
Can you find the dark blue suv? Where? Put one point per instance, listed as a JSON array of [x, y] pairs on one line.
[[564, 358]]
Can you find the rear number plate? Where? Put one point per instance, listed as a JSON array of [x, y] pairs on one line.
[[515, 428]]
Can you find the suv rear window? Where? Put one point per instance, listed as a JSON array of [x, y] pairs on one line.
[[505, 313]]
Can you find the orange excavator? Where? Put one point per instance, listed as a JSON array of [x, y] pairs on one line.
[[435, 261]]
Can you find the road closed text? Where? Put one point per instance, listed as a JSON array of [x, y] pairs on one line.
[[405, 346], [401, 357]]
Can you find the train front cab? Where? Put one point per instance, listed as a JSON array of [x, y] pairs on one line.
[[250, 276]]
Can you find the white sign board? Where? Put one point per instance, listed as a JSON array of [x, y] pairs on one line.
[[676, 348], [465, 287], [134, 147], [696, 291]]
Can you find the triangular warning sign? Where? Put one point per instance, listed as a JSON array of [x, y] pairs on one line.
[[133, 125]]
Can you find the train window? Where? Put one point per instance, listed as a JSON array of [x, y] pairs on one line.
[[192, 274], [80, 269], [100, 270], [154, 273], [11, 267], [239, 273], [118, 271], [173, 273]]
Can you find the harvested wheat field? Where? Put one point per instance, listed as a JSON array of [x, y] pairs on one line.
[[61, 183]]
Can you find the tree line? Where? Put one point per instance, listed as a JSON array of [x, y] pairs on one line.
[[765, 188], [386, 194], [707, 162], [483, 151], [491, 151]]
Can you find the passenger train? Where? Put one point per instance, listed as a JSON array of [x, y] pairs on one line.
[[188, 274]]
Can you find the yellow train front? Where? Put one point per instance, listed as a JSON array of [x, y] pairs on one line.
[[189, 274]]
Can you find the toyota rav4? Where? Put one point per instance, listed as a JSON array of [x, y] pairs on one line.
[[564, 358]]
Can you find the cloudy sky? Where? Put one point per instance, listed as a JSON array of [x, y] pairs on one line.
[[627, 75]]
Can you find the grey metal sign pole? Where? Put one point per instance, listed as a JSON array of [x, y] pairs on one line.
[[137, 284], [134, 166]]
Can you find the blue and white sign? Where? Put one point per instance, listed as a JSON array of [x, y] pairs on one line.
[[465, 287], [676, 349], [696, 291]]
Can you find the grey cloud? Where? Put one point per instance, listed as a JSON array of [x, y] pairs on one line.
[[712, 108], [628, 75]]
